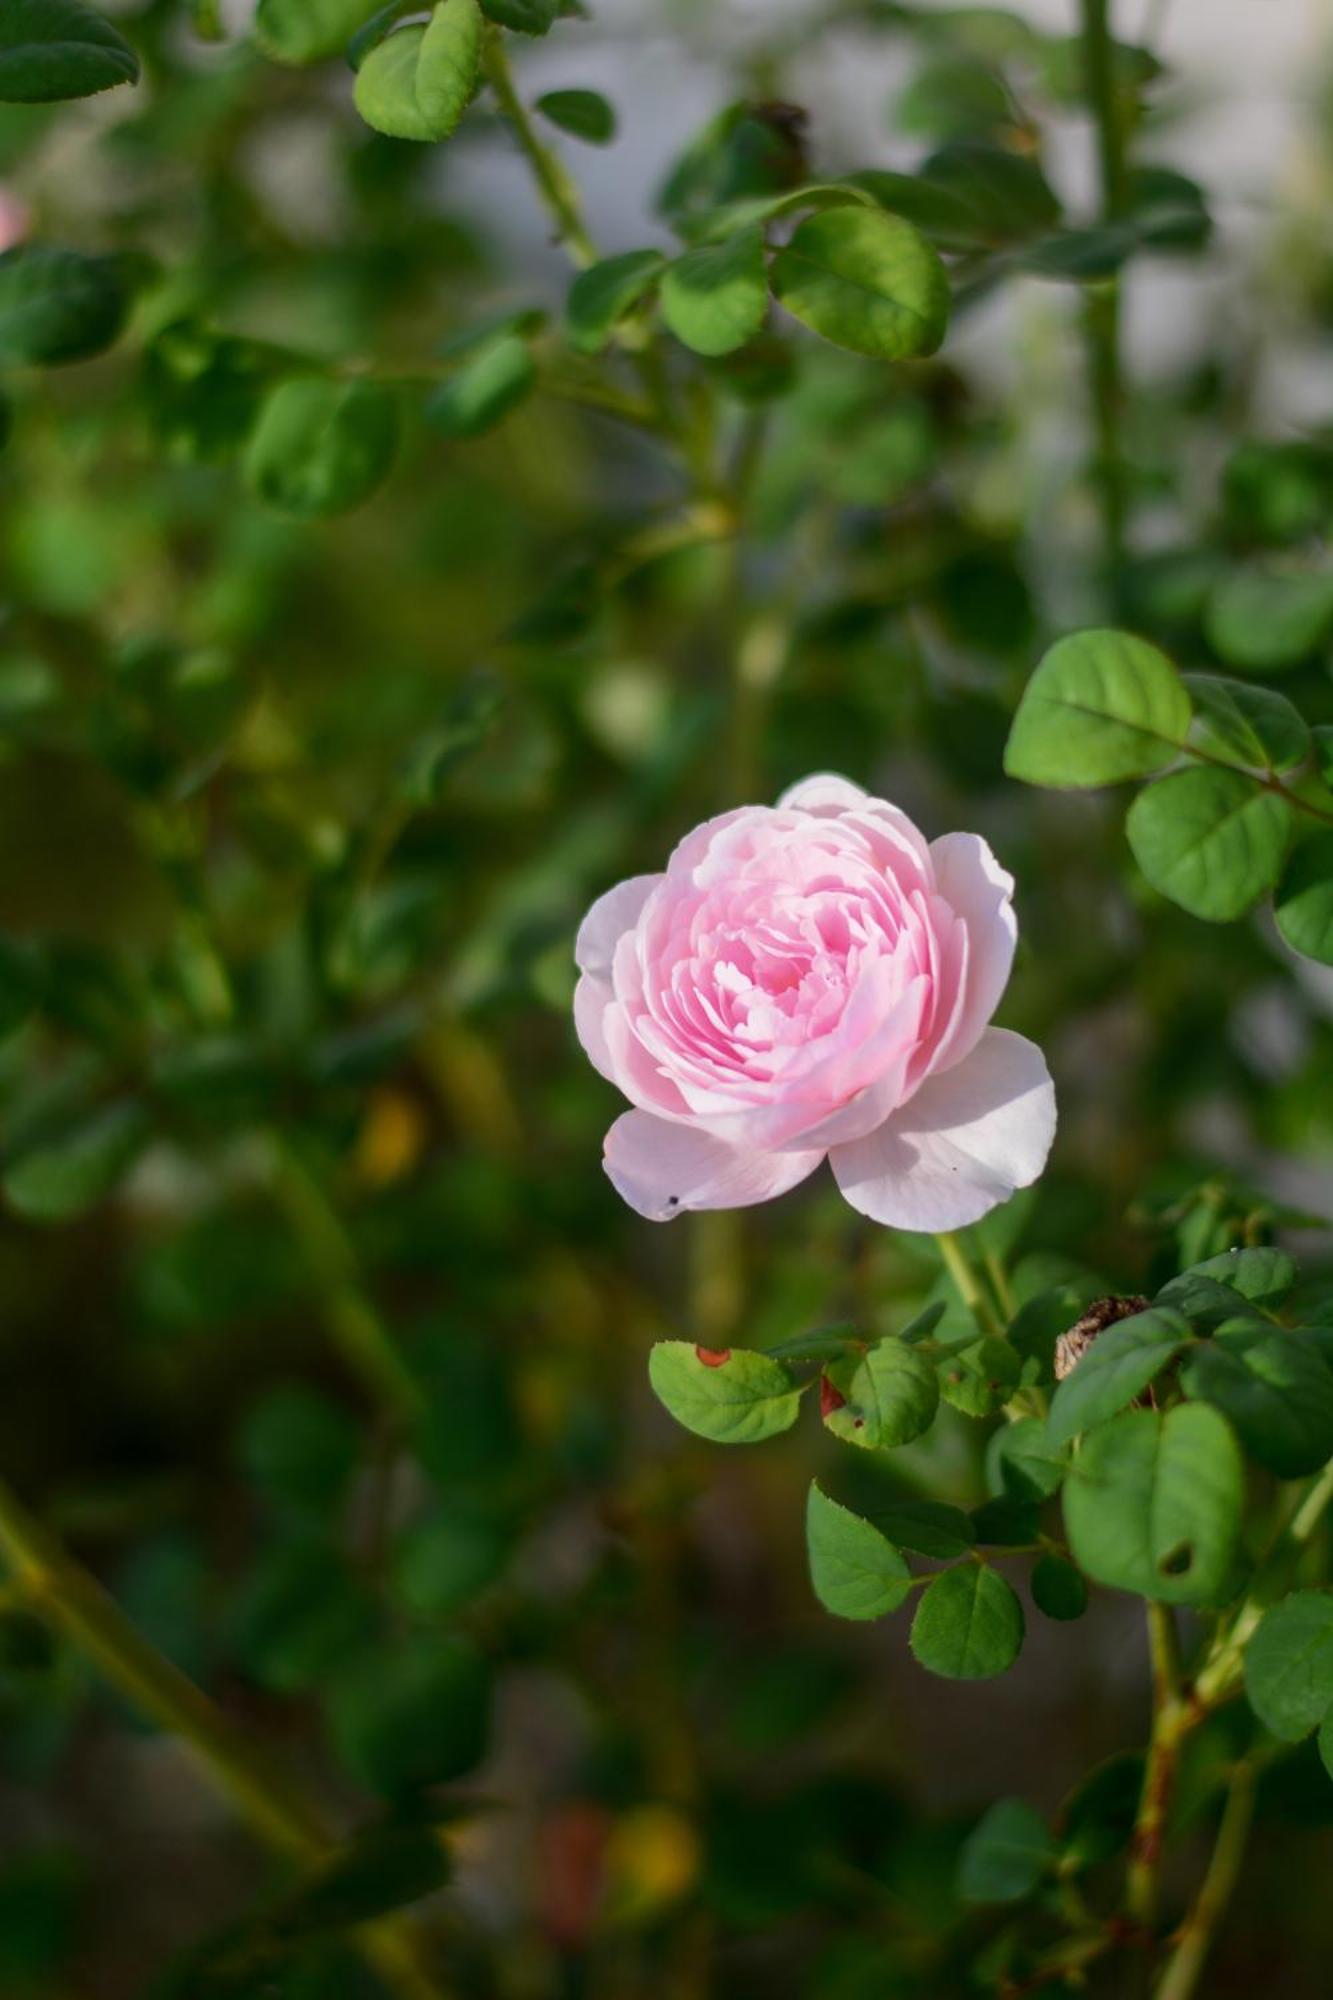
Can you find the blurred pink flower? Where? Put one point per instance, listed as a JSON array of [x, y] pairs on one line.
[[15, 218], [814, 979]]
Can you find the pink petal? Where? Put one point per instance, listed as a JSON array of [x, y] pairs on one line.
[[661, 1169], [824, 789], [607, 921], [975, 886], [969, 1137]]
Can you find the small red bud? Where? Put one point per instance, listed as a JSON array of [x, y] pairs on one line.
[[713, 1357]]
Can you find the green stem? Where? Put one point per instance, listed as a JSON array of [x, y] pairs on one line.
[[957, 1264], [353, 1321], [553, 183], [1185, 1966], [62, 1593], [1102, 310]]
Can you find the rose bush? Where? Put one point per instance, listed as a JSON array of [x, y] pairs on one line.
[[809, 979]]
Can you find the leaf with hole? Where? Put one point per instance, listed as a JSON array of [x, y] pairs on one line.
[[730, 1395], [1101, 706], [1212, 841], [854, 1570], [1153, 1503], [864, 280]]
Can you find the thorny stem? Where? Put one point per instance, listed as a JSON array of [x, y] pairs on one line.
[[553, 183], [57, 1589], [1195, 1937], [1179, 1710], [1172, 1720]]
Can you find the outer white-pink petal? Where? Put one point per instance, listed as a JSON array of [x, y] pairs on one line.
[[607, 921], [979, 890], [662, 1168], [965, 1142]]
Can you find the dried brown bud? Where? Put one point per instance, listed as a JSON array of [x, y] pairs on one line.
[[1074, 1343]]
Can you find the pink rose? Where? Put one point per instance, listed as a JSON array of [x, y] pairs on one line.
[[813, 978]]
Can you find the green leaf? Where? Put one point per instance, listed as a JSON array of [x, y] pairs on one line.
[[1081, 256], [864, 280], [1326, 1742], [942, 214], [1289, 1665], [1122, 1361], [1303, 902], [585, 114], [601, 296], [298, 1614], [1005, 1855], [443, 1561], [1022, 1463], [715, 298], [525, 17], [1006, 1522], [733, 1395], [979, 1378], [1275, 1388], [1101, 706], [413, 1715], [300, 1449], [308, 31], [322, 447], [1253, 726], [891, 1395], [1058, 1588], [416, 83], [1211, 840], [58, 305], [968, 1625], [1007, 196], [1152, 1504], [930, 1527], [480, 394], [52, 49], [855, 1571], [1261, 1274], [62, 1176], [1265, 619]]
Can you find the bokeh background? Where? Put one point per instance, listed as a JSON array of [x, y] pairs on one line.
[[297, 821]]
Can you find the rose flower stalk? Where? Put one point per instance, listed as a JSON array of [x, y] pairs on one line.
[[814, 979]]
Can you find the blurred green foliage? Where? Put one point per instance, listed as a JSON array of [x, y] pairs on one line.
[[376, 591]]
